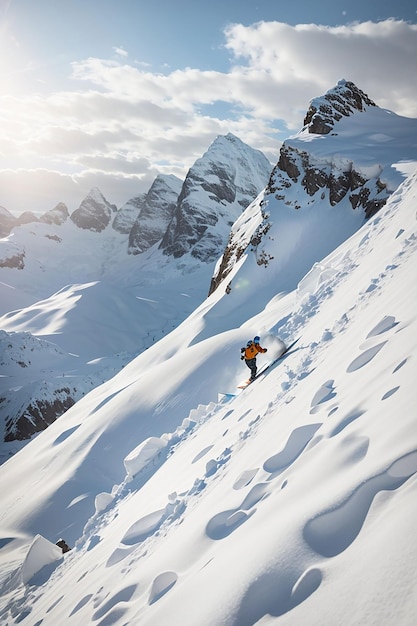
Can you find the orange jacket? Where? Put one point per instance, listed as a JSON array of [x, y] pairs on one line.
[[252, 351]]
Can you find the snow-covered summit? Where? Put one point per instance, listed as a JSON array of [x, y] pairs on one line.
[[94, 212], [155, 213], [218, 187], [342, 100], [327, 182], [58, 215]]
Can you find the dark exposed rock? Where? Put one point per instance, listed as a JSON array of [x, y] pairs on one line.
[[15, 261], [287, 162], [301, 176], [341, 101], [156, 211], [94, 212], [38, 415], [216, 190]]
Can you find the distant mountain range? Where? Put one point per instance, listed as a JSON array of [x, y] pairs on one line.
[[128, 276]]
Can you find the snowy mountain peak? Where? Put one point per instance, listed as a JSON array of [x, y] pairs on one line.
[[58, 215], [218, 187], [340, 101], [7, 221], [155, 214], [355, 169], [94, 212]]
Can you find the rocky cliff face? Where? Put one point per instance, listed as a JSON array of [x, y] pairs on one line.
[[337, 177], [127, 214], [343, 159], [341, 101], [94, 212], [192, 217], [155, 214], [217, 189]]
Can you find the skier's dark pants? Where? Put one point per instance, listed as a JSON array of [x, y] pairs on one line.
[[251, 363]]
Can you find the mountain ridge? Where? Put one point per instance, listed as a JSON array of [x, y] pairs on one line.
[[173, 233], [280, 502]]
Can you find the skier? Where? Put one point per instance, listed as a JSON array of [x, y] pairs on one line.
[[249, 354]]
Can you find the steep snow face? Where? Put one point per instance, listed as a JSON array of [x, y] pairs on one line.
[[156, 213], [94, 212], [128, 213], [277, 503], [216, 190], [280, 236], [324, 183]]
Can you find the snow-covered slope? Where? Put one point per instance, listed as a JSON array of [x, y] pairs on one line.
[[292, 503], [96, 283], [338, 170], [114, 304]]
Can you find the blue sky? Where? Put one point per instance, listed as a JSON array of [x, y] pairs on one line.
[[110, 93]]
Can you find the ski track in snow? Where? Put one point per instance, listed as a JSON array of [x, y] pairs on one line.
[[327, 534]]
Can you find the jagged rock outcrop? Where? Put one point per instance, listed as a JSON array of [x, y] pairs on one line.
[[343, 158], [337, 177], [94, 212], [155, 214], [217, 189], [38, 414], [58, 215], [7, 222], [36, 402], [11, 255], [340, 101]]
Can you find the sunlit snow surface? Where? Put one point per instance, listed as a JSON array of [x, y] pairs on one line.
[[293, 502], [186, 501]]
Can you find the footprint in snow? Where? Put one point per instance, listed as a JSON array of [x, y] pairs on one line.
[[161, 585], [245, 478], [110, 608], [296, 443], [275, 593], [201, 454], [364, 358], [224, 523], [390, 393], [384, 325], [346, 420], [331, 532], [323, 394], [143, 528]]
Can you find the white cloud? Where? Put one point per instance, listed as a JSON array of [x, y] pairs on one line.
[[120, 52], [378, 56], [118, 108]]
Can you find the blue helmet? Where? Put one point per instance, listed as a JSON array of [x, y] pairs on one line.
[[256, 339]]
